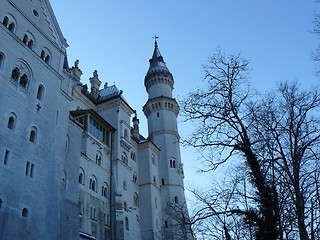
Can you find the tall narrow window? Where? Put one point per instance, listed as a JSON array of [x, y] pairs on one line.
[[0, 203], [162, 181], [11, 122], [40, 92], [25, 39], [11, 27], [30, 44], [6, 157], [165, 224], [99, 158], [126, 220], [81, 176], [134, 177], [92, 213], [15, 74], [124, 185], [47, 59], [24, 81], [33, 135], [93, 184], [176, 199], [136, 199], [125, 206], [29, 169], [5, 21], [42, 55], [25, 212]]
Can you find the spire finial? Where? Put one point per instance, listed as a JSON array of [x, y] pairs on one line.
[[155, 40]]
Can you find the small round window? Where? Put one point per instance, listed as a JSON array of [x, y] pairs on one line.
[[35, 13]]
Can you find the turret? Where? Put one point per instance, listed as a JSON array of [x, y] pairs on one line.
[[158, 73], [135, 129], [95, 84]]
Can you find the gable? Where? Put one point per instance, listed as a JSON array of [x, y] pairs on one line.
[[40, 14]]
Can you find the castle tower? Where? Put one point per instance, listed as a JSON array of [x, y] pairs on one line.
[[161, 111]]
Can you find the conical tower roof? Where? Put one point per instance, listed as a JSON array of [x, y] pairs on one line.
[[157, 62]]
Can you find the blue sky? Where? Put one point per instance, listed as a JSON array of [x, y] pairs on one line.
[[115, 37]]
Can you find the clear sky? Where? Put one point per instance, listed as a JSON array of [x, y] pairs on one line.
[[115, 37]]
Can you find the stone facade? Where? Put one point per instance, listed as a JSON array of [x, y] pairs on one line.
[[72, 162]]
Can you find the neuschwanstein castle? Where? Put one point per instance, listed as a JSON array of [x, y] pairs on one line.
[[72, 162]]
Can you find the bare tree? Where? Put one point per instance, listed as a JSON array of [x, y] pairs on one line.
[[277, 136], [225, 126], [288, 135]]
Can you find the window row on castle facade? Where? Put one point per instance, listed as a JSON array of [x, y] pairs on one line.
[[93, 183], [12, 120], [28, 39], [22, 77]]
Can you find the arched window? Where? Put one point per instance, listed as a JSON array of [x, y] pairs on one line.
[[93, 183], [9, 22], [126, 220], [47, 59], [25, 212], [40, 92], [33, 135], [42, 55], [165, 224], [176, 199], [153, 159], [124, 158], [136, 199], [5, 21], [134, 177], [81, 176], [15, 74], [99, 158], [30, 44], [25, 39], [11, 27], [12, 121], [172, 163], [105, 190], [124, 185], [24, 81]]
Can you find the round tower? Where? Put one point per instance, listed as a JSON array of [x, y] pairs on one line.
[[162, 111]]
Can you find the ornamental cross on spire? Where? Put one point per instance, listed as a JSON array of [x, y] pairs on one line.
[[155, 40]]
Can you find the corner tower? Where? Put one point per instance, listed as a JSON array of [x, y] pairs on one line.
[[162, 111]]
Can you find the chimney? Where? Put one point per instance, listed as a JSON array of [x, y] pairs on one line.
[[95, 84]]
